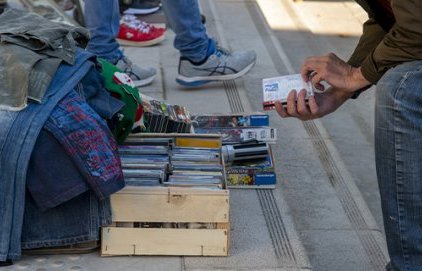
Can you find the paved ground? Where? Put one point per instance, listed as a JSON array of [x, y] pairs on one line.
[[324, 213]]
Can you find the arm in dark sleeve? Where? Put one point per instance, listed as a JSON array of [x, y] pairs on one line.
[[401, 44], [372, 35]]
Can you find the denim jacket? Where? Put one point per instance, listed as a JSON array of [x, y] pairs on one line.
[[76, 151], [17, 138]]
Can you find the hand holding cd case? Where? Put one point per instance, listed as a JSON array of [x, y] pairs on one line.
[[278, 88]]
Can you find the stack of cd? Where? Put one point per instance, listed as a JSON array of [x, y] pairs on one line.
[[145, 164], [156, 161], [160, 117], [196, 167]]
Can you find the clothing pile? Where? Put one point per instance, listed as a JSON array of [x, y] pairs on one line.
[[58, 156]]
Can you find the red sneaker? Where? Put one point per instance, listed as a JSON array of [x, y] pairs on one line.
[[134, 32]]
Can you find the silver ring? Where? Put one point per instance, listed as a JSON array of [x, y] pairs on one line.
[[314, 89]]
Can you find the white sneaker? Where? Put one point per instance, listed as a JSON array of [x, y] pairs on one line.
[[140, 76], [219, 66]]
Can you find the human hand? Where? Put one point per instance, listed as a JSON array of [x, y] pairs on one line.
[[317, 106], [334, 71]]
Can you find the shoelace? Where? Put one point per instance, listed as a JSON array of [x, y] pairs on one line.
[[133, 22], [129, 64], [220, 51]]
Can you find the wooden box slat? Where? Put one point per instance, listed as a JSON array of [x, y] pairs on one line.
[[161, 241], [137, 204]]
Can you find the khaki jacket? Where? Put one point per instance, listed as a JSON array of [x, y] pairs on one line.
[[381, 48]]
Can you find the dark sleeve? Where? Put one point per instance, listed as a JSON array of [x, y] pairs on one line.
[[402, 43], [371, 37]]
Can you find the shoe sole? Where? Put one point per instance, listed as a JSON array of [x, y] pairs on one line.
[[201, 80], [142, 43], [144, 82], [136, 11], [71, 249]]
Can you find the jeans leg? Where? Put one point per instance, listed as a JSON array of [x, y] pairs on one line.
[[184, 18], [398, 147], [102, 20], [75, 221]]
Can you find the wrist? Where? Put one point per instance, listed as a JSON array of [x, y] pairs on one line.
[[344, 95], [358, 82], [340, 94]]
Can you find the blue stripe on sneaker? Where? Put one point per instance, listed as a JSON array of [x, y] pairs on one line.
[[194, 83]]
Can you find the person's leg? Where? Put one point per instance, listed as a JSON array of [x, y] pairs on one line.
[[398, 147], [102, 20], [201, 60], [184, 19]]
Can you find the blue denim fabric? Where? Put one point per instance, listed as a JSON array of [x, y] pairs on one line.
[[75, 221], [17, 138], [86, 138], [191, 38], [102, 20], [398, 146], [52, 177], [54, 181], [92, 90]]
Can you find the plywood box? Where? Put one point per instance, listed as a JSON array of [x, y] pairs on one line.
[[168, 221]]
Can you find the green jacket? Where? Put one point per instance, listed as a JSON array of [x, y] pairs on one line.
[[383, 46]]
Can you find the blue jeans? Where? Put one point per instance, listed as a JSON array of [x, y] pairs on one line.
[[184, 18], [18, 134], [398, 147], [102, 20], [75, 221]]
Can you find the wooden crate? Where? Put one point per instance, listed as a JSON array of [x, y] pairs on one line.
[[168, 207]]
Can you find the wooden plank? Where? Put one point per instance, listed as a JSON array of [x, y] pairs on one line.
[[140, 241], [175, 135], [183, 206], [158, 190], [223, 226], [227, 227], [125, 224]]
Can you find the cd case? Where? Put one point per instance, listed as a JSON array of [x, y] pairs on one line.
[[242, 134], [230, 120], [278, 88], [252, 174]]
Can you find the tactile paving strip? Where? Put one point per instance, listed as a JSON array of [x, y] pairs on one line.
[[48, 263]]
